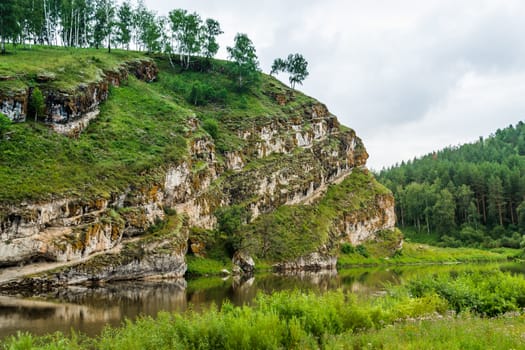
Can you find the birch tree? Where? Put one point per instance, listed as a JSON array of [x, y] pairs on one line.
[[295, 65], [124, 24], [104, 23], [187, 31], [149, 30], [8, 22], [245, 65], [210, 31]]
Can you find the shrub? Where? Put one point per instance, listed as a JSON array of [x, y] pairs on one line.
[[361, 249], [212, 127], [202, 93], [37, 104], [347, 248], [512, 242], [230, 219], [198, 94], [5, 124], [489, 293]]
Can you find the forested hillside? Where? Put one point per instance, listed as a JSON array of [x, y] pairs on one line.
[[466, 195]]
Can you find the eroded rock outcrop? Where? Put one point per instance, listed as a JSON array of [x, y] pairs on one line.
[[243, 263], [283, 161], [69, 112], [312, 262]]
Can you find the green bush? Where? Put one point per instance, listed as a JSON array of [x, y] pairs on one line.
[[212, 127], [37, 105], [347, 248], [232, 218], [202, 93], [513, 241], [489, 293], [199, 94], [5, 124], [361, 249]]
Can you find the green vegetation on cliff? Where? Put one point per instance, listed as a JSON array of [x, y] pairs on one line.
[[141, 128], [136, 133], [57, 68], [218, 150], [292, 231]]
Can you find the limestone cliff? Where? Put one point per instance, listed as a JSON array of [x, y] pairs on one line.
[[69, 112], [302, 161]]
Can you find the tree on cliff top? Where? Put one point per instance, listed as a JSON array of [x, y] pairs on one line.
[[211, 30], [187, 31], [295, 65], [245, 65], [8, 21], [124, 24], [104, 22], [149, 29]]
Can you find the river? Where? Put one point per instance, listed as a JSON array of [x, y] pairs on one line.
[[89, 309]]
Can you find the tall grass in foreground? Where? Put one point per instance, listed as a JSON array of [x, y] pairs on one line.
[[460, 333], [298, 320]]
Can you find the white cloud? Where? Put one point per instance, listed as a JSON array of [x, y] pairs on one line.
[[410, 76], [478, 105]]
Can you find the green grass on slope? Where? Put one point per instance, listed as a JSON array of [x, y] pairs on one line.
[[232, 109], [138, 130], [255, 104], [67, 67], [294, 230]]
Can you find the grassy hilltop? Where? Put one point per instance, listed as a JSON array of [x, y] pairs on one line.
[[141, 127]]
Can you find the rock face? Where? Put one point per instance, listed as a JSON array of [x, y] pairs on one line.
[[14, 105], [311, 262], [291, 161], [243, 263], [361, 226], [70, 112]]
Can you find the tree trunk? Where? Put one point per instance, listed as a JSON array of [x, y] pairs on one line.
[[71, 28], [3, 46], [483, 206], [170, 59]]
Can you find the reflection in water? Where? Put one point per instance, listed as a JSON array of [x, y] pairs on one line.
[[90, 309]]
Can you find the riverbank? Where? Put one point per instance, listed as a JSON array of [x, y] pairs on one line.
[[427, 311], [419, 253], [371, 254]]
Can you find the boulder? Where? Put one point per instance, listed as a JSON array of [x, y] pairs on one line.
[[244, 262]]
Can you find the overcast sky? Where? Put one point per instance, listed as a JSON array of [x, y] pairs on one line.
[[409, 76]]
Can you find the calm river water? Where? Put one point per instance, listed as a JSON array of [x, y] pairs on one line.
[[89, 310]]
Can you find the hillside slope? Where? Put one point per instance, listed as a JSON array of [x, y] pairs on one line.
[[166, 162]]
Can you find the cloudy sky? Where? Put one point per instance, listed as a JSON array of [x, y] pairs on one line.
[[409, 76]]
